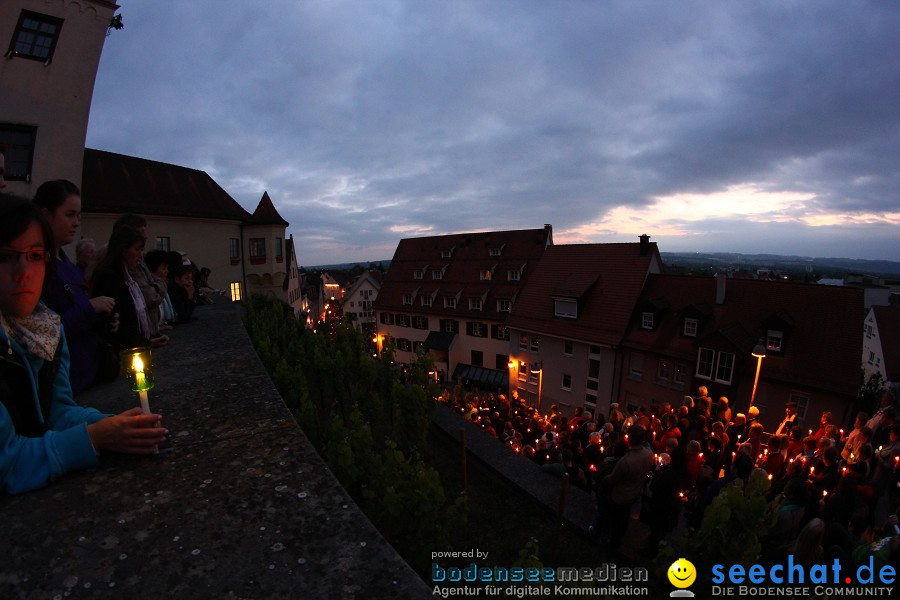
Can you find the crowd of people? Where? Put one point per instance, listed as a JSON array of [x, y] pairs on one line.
[[833, 492], [63, 324]]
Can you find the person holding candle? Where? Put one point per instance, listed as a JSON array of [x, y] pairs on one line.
[[43, 433]]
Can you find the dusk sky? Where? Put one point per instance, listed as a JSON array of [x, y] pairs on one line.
[[729, 126]]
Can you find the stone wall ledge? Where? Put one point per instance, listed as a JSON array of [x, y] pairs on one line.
[[239, 506]]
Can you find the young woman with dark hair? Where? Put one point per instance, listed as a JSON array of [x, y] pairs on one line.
[[43, 433], [67, 295]]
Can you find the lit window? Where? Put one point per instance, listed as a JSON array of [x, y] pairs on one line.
[[647, 320], [774, 340], [523, 370], [690, 327], [484, 274], [236, 294], [35, 36], [566, 308]]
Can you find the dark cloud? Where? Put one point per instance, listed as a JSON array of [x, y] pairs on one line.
[[362, 116]]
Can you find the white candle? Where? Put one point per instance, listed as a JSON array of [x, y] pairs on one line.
[[141, 381]]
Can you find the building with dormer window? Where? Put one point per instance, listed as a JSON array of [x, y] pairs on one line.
[[569, 322], [450, 295], [705, 329]]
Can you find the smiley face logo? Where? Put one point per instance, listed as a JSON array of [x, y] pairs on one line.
[[682, 573]]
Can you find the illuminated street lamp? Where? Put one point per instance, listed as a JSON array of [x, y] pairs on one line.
[[759, 351], [538, 368]]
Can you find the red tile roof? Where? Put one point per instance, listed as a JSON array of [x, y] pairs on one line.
[[822, 344], [888, 321], [265, 213], [607, 277], [115, 183], [470, 254]]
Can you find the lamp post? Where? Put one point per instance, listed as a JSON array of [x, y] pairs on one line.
[[759, 351], [539, 367]]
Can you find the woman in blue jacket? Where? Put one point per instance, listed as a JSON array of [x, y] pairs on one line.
[[66, 293], [43, 433]]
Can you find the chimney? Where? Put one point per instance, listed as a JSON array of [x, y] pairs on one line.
[[548, 229], [645, 244], [720, 288]]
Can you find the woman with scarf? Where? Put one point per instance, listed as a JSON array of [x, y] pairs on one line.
[[43, 433], [112, 278]]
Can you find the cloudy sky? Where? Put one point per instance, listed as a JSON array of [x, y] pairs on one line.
[[763, 126]]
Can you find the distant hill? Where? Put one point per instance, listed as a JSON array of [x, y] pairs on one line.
[[348, 266], [777, 262], [699, 260]]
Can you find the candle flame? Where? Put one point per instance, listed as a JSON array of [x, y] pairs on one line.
[[138, 364]]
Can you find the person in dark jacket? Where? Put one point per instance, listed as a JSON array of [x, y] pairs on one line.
[[124, 252], [67, 294]]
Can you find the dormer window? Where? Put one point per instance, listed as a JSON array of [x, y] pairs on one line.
[[484, 274], [494, 252], [407, 299], [437, 274], [566, 308], [690, 327], [503, 305], [417, 274], [774, 340], [426, 300], [647, 320], [448, 253], [474, 303], [450, 302], [513, 275]]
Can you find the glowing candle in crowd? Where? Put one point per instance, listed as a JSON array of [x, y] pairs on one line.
[[141, 384], [770, 478], [824, 493], [812, 470]]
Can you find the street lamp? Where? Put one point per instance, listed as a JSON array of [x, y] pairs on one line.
[[759, 351], [538, 368]]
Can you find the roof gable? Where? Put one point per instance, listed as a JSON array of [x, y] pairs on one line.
[[579, 269], [265, 213]]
